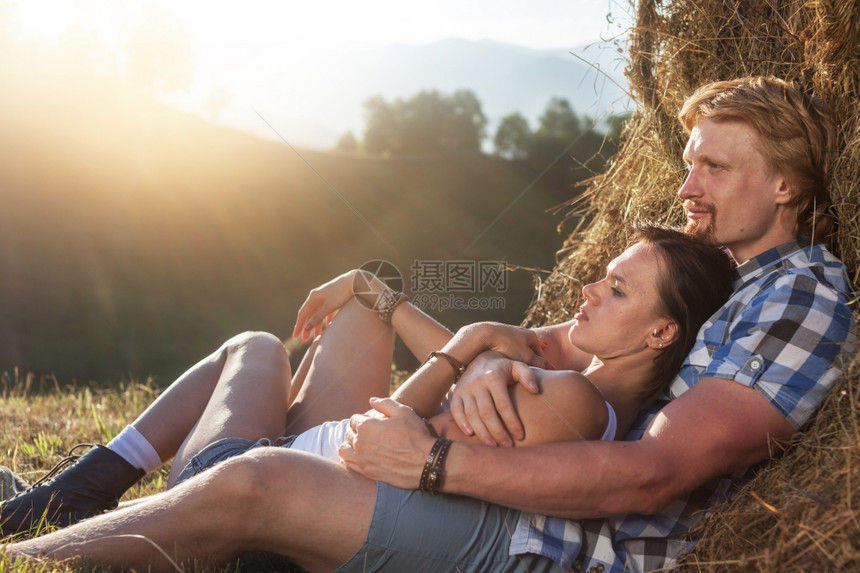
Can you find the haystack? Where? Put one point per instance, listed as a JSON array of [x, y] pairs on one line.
[[800, 514]]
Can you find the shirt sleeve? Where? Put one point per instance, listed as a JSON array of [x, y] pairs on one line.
[[786, 343]]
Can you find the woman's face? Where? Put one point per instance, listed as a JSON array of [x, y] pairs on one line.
[[623, 309]]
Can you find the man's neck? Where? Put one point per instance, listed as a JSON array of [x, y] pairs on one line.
[[782, 230], [744, 252]]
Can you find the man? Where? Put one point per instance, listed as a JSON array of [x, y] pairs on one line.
[[760, 369], [761, 366]]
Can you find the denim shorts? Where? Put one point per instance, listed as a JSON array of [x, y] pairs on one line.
[[424, 533], [223, 449]]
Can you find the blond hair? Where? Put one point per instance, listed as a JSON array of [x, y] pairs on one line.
[[795, 134]]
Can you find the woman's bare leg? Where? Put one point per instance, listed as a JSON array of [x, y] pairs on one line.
[[271, 499], [248, 400], [243, 389], [344, 367], [173, 415], [347, 365]]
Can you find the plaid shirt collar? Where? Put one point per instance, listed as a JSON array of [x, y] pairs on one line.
[[764, 261]]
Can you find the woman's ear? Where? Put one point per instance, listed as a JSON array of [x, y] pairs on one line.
[[663, 335]]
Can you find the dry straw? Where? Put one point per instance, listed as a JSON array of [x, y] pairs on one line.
[[799, 514]]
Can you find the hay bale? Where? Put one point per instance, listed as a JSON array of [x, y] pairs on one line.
[[674, 48], [798, 515]]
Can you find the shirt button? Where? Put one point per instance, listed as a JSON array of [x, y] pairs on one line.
[[755, 364]]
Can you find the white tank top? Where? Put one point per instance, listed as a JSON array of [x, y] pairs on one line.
[[325, 439], [611, 424]]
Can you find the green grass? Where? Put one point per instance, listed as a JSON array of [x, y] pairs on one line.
[[38, 427]]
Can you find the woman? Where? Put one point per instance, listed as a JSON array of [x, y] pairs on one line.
[[600, 402], [636, 324]]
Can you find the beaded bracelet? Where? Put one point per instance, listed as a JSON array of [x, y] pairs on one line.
[[387, 302]]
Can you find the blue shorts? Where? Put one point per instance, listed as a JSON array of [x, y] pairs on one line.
[[223, 449], [420, 532]]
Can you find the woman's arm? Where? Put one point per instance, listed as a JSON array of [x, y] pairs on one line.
[[559, 350], [481, 404], [426, 388], [420, 332], [567, 408]]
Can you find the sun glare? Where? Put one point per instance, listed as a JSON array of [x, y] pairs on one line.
[[282, 58], [42, 20]]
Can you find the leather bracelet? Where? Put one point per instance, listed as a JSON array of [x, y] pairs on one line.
[[434, 477], [430, 428], [429, 464], [458, 366]]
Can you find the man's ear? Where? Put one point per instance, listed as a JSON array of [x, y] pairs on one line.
[[664, 335], [784, 193]]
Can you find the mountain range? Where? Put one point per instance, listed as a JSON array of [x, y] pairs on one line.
[[313, 94]]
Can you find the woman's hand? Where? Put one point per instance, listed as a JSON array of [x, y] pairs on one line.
[[323, 302], [514, 342], [391, 449], [481, 403]]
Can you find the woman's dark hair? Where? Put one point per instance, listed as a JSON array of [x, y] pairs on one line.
[[695, 280]]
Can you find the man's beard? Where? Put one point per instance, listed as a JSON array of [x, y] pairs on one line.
[[704, 229]]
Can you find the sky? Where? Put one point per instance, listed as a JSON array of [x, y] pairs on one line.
[[531, 23], [542, 24], [244, 48]]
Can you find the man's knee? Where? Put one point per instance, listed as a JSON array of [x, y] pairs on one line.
[[244, 483]]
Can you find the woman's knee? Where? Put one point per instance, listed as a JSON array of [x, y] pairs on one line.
[[256, 339], [261, 345]]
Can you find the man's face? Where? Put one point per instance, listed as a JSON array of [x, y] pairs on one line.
[[730, 196]]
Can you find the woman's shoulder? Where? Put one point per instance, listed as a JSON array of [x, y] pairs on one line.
[[568, 407]]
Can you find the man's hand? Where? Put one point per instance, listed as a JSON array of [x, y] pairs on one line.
[[481, 404], [391, 449]]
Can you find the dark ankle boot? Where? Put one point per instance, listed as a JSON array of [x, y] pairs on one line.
[[11, 484], [91, 485]]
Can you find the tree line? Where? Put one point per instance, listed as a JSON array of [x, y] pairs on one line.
[[436, 123]]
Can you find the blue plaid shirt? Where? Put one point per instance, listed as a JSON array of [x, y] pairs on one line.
[[782, 332]]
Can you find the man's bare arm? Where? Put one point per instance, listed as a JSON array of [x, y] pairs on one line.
[[715, 428]]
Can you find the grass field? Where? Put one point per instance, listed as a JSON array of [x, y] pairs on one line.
[[42, 420]]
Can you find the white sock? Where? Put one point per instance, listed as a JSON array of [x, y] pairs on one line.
[[135, 449]]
